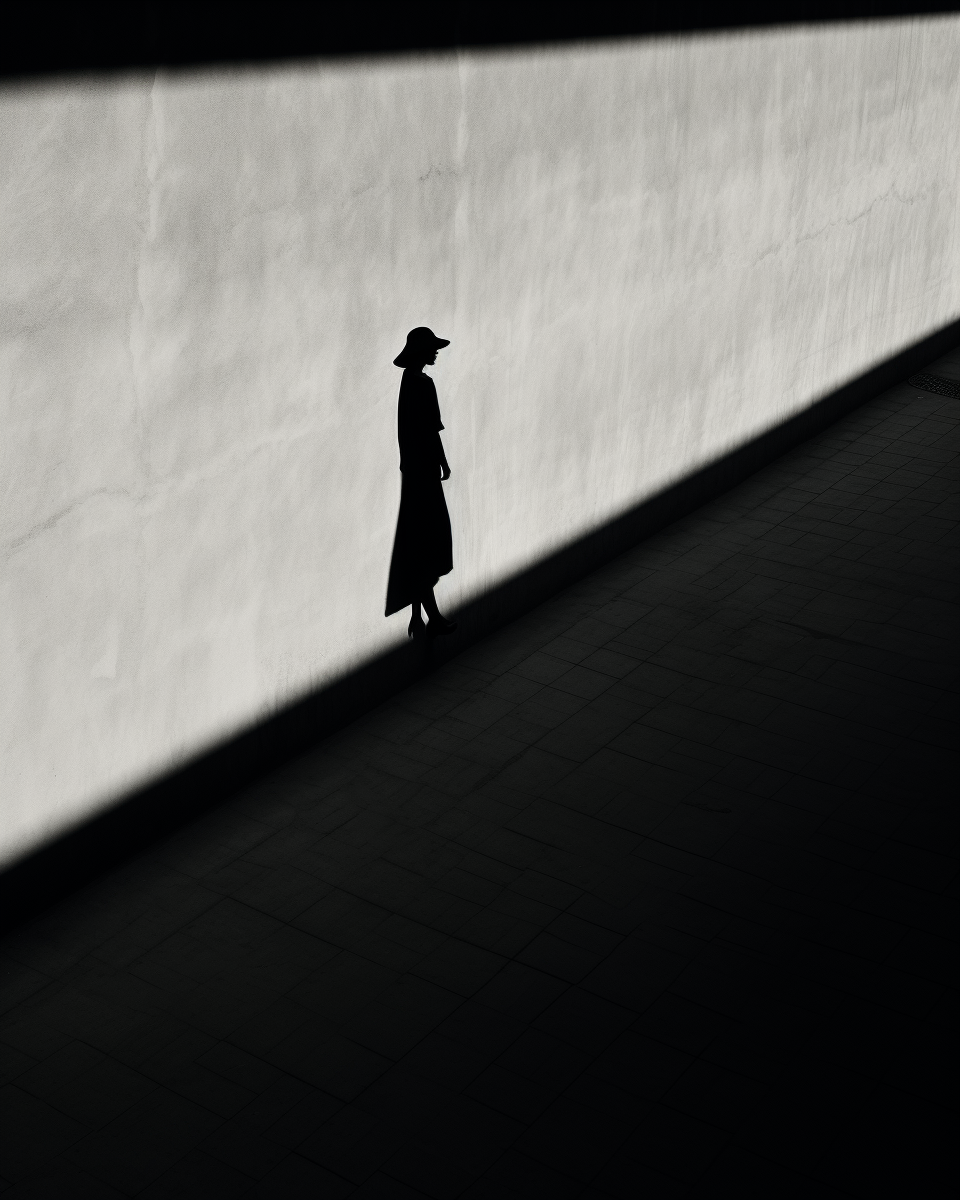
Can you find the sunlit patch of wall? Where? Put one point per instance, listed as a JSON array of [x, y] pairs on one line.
[[643, 253]]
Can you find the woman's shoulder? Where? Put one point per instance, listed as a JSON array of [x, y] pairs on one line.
[[415, 383]]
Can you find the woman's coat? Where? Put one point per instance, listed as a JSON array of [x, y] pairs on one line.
[[423, 545]]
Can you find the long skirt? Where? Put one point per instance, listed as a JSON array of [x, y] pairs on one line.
[[423, 546]]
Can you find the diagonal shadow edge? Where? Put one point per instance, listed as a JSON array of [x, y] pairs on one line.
[[53, 871], [64, 40]]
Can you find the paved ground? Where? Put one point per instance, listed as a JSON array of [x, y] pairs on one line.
[[648, 895]]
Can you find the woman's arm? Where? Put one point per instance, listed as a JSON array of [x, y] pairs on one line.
[[444, 465]]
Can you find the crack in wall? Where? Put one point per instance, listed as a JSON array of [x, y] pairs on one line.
[[809, 237], [48, 523]]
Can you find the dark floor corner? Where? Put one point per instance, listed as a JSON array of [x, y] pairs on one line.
[[652, 893]]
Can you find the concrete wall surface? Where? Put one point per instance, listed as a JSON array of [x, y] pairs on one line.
[[643, 253]]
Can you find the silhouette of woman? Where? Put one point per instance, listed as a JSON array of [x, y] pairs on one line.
[[423, 546]]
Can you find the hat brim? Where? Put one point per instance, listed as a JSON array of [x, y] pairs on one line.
[[404, 358]]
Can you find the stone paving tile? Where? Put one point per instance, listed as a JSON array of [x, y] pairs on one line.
[[652, 893]]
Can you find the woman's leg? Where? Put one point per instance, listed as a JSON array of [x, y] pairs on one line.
[[429, 602], [438, 621], [416, 620]]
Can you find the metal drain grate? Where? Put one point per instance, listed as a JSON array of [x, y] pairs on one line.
[[937, 384]]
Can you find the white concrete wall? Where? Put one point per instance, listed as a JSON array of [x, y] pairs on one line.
[[643, 253]]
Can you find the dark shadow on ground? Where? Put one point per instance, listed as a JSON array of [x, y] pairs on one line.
[[650, 893]]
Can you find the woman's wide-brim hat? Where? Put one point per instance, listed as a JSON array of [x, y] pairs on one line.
[[420, 341]]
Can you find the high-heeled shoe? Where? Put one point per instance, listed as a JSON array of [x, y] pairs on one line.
[[416, 627]]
